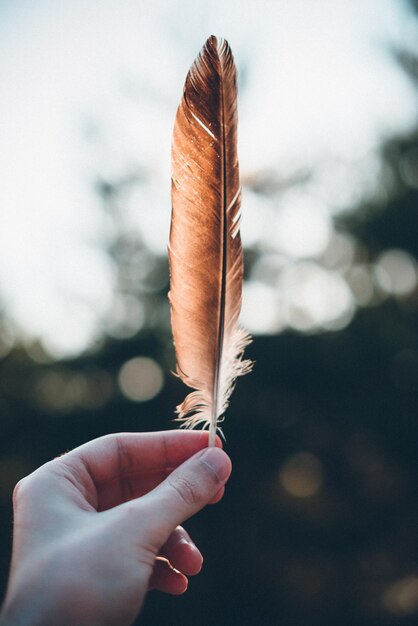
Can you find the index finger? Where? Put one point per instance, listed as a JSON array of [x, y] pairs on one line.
[[120, 455]]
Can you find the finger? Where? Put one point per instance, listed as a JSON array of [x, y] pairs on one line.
[[167, 579], [119, 491], [125, 454], [182, 553], [184, 492]]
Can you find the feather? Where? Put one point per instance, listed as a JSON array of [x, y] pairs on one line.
[[205, 252]]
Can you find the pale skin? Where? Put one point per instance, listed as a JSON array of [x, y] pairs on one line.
[[95, 529]]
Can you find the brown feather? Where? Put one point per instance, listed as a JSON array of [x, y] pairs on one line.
[[205, 252]]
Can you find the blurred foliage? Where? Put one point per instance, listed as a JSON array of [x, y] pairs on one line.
[[319, 522]]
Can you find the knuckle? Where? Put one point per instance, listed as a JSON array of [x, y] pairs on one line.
[[124, 458], [185, 489], [28, 487], [20, 489]]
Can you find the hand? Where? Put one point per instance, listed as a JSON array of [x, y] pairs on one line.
[[99, 526]]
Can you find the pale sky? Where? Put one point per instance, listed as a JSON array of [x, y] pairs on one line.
[[321, 91]]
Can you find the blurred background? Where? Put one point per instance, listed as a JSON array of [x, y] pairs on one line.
[[319, 524]]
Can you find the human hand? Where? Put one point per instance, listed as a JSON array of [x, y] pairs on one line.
[[96, 528]]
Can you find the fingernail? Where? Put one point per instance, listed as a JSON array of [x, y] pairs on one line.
[[217, 462]]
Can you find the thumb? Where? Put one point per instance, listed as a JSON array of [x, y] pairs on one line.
[[185, 491]]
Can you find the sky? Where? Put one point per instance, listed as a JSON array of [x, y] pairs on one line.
[[319, 91]]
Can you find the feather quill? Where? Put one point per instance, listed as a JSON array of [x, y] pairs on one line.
[[205, 252]]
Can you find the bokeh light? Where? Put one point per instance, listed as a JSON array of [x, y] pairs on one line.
[[301, 475], [316, 297], [262, 310], [397, 273], [401, 598], [302, 227], [63, 391], [360, 280], [126, 317], [140, 379]]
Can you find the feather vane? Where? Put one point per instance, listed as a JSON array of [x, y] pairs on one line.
[[205, 251]]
